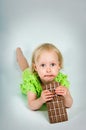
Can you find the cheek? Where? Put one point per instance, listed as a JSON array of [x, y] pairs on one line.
[[56, 71], [40, 74], [39, 71]]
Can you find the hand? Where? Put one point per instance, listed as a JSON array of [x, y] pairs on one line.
[[61, 90], [46, 95]]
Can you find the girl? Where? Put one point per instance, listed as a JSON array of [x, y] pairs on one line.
[[47, 61]]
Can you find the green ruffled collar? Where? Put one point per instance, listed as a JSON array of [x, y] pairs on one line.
[[61, 78]]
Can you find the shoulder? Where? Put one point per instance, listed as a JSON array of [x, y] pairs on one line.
[[30, 83], [28, 74], [62, 79]]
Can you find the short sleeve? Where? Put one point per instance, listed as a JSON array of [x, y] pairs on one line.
[[30, 83], [63, 79]]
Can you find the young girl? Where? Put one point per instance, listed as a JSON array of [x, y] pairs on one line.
[[47, 62]]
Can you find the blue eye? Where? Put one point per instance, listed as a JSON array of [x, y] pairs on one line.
[[53, 64], [42, 65]]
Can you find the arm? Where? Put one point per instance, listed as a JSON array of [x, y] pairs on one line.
[[61, 90], [36, 103], [23, 64]]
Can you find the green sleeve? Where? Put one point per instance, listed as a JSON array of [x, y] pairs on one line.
[[30, 83], [62, 79]]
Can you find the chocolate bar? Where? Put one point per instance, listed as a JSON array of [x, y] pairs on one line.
[[56, 108]]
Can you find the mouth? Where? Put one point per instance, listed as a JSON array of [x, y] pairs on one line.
[[49, 76]]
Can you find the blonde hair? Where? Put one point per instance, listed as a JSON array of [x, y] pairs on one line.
[[48, 47]]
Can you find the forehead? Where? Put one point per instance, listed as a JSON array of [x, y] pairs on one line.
[[47, 55]]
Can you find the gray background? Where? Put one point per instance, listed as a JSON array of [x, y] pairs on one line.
[[27, 23]]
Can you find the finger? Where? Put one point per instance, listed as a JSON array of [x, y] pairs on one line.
[[59, 91], [49, 96], [49, 99]]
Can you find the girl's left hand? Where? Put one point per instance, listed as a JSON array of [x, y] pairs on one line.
[[61, 90]]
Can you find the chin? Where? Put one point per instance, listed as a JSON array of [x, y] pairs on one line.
[[49, 81]]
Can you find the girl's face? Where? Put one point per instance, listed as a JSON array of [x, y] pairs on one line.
[[47, 66]]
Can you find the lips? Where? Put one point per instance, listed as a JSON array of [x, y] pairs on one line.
[[48, 75]]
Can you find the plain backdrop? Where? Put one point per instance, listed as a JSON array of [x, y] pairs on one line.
[[26, 24]]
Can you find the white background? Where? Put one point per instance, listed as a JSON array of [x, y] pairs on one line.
[[28, 23]]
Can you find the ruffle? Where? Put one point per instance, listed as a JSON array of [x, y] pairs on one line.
[[31, 82], [62, 79]]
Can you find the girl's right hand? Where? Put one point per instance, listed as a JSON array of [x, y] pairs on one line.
[[46, 95]]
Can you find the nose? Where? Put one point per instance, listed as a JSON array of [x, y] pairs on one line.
[[48, 69]]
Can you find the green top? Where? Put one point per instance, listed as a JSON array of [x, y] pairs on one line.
[[31, 82]]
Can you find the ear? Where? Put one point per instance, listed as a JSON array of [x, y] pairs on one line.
[[34, 66], [59, 67]]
